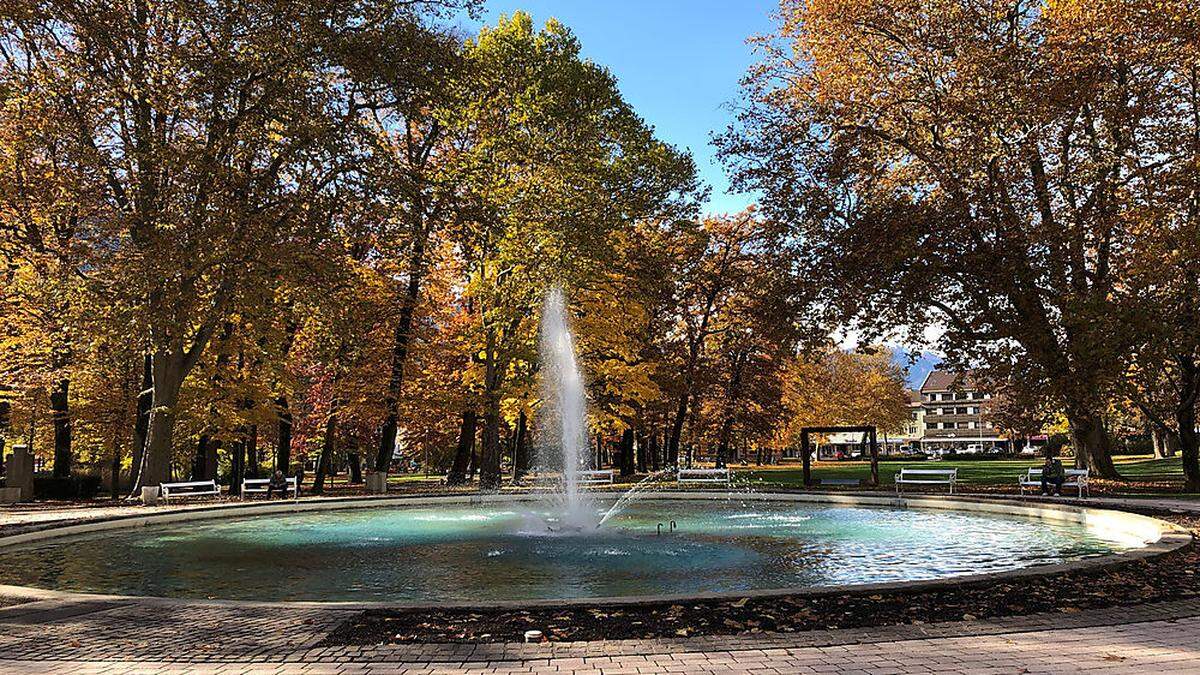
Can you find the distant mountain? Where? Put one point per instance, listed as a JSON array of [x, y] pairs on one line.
[[915, 372]]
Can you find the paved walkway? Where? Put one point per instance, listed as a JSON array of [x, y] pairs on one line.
[[119, 635], [113, 637]]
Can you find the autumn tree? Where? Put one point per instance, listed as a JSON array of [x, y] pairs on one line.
[[1161, 289], [724, 265], [213, 131], [958, 164], [409, 85], [51, 221], [553, 161], [1017, 409], [833, 387]]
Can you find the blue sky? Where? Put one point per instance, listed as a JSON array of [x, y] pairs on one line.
[[678, 63]]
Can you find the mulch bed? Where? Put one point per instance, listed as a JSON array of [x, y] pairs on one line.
[[1172, 576]]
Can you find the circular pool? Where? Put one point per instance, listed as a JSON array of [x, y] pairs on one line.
[[455, 552]]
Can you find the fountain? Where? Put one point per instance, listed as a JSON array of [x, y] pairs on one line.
[[564, 415], [469, 553]]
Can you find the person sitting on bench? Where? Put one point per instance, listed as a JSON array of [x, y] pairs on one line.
[[278, 483], [1053, 474]]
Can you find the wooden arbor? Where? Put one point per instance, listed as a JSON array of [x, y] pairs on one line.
[[806, 449]]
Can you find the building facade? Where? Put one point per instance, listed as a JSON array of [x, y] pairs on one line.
[[914, 429], [953, 415]]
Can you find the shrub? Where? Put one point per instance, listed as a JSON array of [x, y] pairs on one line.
[[69, 488]]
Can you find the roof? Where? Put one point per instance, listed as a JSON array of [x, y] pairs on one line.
[[946, 380], [914, 396]]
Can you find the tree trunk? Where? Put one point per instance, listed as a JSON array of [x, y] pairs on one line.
[[676, 432], [400, 341], [732, 392], [1160, 439], [1185, 420], [156, 459], [61, 416], [521, 448], [283, 447], [489, 461], [355, 461], [655, 452], [627, 460], [462, 452], [237, 466], [489, 466], [168, 369], [1189, 447], [252, 463], [806, 451], [723, 448], [326, 456], [200, 459], [1093, 448], [115, 479], [641, 452]]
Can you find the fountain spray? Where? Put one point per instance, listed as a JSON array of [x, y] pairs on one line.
[[565, 408]]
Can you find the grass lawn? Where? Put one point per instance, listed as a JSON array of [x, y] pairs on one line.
[[973, 472]]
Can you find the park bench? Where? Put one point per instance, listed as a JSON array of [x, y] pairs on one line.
[[195, 488], [1075, 478], [702, 476], [259, 486], [597, 477], [926, 477]]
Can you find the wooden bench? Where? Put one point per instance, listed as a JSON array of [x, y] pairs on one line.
[[597, 477], [702, 476], [1076, 478], [926, 477], [260, 486], [195, 488]]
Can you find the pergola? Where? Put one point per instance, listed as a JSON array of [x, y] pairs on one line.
[[806, 449]]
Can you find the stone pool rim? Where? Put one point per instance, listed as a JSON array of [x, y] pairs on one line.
[[1171, 538]]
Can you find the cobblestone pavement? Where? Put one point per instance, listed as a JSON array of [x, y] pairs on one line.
[[148, 636], [1151, 647]]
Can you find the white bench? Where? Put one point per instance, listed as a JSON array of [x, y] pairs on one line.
[[597, 477], [702, 476], [260, 486], [1076, 478], [926, 477], [196, 488]]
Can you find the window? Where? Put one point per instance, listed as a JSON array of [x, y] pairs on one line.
[[931, 425], [963, 410]]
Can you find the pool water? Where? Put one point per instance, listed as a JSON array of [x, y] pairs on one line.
[[457, 553]]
